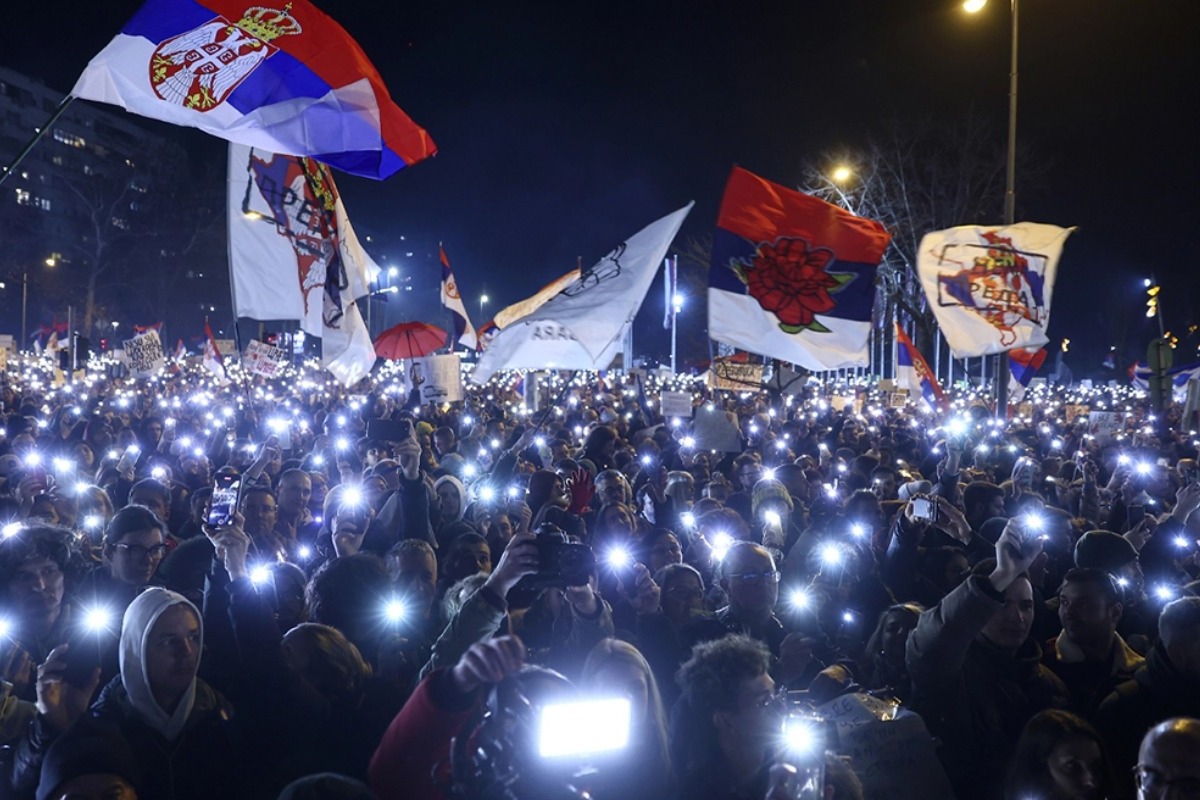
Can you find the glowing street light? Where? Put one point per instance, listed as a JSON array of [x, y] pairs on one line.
[[842, 174], [483, 300], [974, 6]]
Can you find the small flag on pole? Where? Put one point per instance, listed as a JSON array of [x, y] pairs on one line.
[[913, 370], [464, 332]]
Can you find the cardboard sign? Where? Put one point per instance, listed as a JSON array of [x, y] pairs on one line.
[[144, 353], [839, 402], [899, 399], [226, 347], [736, 377], [442, 378], [1071, 411], [890, 749], [1105, 425], [263, 359], [676, 404], [715, 430]]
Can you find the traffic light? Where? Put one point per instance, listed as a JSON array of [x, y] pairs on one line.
[[1152, 300]]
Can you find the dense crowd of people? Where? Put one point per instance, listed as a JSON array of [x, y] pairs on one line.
[[287, 589]]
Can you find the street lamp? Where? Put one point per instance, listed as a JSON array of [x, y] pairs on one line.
[[841, 174], [483, 299], [1010, 176]]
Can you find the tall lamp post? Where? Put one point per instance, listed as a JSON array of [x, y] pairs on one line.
[[49, 262], [1010, 178]]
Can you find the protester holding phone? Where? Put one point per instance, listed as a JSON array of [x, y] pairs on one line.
[[970, 657]]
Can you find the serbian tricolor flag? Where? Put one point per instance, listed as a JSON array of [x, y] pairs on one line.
[[212, 359], [913, 372], [1023, 364], [792, 277], [463, 332], [279, 77]]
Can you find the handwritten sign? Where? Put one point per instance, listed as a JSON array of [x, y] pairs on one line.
[[889, 748], [263, 359], [714, 430], [735, 377], [144, 353], [1105, 425]]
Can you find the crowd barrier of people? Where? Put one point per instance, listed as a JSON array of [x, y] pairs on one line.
[[288, 589]]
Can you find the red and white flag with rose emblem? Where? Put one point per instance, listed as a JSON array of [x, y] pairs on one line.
[[792, 277]]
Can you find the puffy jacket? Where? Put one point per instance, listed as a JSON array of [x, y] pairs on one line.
[[975, 698]]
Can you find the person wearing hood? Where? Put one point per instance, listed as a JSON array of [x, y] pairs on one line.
[[451, 503], [977, 675], [179, 727]]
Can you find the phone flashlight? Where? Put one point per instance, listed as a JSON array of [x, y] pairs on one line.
[[1181, 541], [858, 530], [513, 492], [5, 628], [92, 521], [394, 610], [158, 472], [831, 555], [584, 727], [97, 618], [487, 494], [33, 459], [10, 530], [1164, 592], [342, 443], [352, 496], [721, 543], [800, 599], [260, 574]]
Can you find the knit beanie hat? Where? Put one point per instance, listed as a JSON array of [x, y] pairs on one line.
[[766, 490], [1103, 550]]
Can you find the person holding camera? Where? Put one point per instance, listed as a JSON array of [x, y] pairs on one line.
[[977, 675]]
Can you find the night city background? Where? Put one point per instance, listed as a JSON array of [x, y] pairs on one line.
[[565, 128]]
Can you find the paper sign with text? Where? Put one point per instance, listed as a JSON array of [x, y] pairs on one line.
[[676, 404], [263, 359], [145, 354], [442, 378]]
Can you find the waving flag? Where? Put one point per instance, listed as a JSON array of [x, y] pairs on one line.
[[286, 79], [464, 332], [523, 308], [584, 326], [212, 359], [294, 255], [792, 276], [990, 288], [913, 370], [1023, 364]]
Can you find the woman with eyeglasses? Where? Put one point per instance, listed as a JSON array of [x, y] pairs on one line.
[[134, 544]]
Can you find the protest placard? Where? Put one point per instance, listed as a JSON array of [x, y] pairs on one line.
[[226, 347], [263, 359], [1071, 411], [889, 748], [1105, 425], [735, 377], [145, 355], [442, 378], [676, 404]]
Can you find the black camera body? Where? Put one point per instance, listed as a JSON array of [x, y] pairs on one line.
[[561, 562]]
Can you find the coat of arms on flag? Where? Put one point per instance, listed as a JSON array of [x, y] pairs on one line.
[[990, 288], [200, 68]]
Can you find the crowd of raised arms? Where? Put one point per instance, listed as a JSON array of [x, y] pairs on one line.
[[288, 589]]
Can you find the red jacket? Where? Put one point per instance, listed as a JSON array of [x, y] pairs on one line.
[[419, 739]]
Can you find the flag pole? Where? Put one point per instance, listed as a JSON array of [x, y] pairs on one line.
[[58, 112]]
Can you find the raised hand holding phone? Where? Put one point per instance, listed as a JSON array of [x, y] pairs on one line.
[[1016, 550]]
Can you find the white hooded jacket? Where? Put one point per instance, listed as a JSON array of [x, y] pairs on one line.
[[139, 620]]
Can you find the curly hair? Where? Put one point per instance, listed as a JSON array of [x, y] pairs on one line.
[[710, 678], [334, 666], [33, 542]]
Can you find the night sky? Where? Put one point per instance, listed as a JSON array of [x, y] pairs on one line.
[[565, 127]]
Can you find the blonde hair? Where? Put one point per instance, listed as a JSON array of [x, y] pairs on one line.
[[608, 652]]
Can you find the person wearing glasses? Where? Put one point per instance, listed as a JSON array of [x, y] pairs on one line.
[[751, 580], [1165, 687], [134, 545], [1167, 764]]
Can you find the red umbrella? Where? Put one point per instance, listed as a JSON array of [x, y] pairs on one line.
[[409, 340]]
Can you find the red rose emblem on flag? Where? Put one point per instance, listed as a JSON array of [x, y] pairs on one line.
[[790, 281]]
